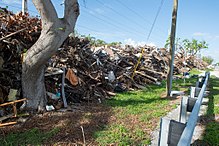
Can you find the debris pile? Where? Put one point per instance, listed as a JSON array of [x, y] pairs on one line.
[[97, 72], [17, 34], [92, 73]]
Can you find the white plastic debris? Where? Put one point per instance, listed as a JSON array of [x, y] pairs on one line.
[[50, 108], [111, 76]]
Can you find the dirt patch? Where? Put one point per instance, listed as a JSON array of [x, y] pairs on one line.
[[91, 117]]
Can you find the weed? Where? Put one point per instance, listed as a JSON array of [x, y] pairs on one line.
[[30, 137]]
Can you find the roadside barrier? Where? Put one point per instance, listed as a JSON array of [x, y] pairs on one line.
[[179, 133]]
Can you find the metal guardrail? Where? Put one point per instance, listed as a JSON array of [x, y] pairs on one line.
[[180, 132], [187, 134]]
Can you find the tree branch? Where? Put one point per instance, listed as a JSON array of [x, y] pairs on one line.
[[71, 12], [46, 10]]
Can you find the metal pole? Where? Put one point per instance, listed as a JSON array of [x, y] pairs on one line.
[[172, 48], [24, 6]]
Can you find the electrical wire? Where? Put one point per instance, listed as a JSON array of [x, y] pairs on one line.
[[119, 24], [118, 27], [118, 13], [127, 18], [158, 12], [137, 14]]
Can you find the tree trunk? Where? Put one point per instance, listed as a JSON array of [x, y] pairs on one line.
[[34, 66], [54, 32], [34, 88]]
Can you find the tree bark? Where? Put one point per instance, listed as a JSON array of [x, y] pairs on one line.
[[54, 32]]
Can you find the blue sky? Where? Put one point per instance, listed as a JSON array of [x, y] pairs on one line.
[[129, 21]]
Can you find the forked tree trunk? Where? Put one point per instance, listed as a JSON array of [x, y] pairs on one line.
[[54, 32]]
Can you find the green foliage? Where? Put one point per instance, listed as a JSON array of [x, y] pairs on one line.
[[193, 46], [114, 44], [189, 46], [93, 41], [31, 137], [208, 59], [167, 44], [99, 43]]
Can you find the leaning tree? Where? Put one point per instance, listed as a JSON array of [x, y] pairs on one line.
[[54, 32]]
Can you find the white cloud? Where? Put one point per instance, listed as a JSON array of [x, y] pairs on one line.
[[103, 34], [92, 12], [98, 10], [206, 36], [137, 43], [200, 34]]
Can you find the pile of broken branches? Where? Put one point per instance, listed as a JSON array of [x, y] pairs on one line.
[[17, 34], [92, 73]]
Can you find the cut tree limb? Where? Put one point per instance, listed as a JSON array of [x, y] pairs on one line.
[[13, 34]]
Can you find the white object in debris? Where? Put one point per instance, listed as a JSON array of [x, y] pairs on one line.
[[176, 93], [111, 76], [53, 96], [50, 108]]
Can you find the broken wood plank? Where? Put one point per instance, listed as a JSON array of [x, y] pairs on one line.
[[6, 124], [12, 102]]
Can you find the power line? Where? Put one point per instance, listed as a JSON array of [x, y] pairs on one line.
[[117, 22], [91, 29], [124, 16], [112, 24], [118, 27], [162, 1], [137, 14]]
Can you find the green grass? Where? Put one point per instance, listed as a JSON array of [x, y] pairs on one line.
[[209, 69], [30, 137], [137, 113], [211, 135], [195, 71]]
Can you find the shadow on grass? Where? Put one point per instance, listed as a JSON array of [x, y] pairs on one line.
[[146, 96], [58, 128], [151, 94], [211, 133], [134, 102]]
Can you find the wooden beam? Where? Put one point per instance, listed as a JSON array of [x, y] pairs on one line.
[[12, 102], [6, 124]]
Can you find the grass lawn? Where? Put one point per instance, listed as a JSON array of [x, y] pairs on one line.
[[127, 119], [137, 113], [30, 137], [195, 71], [211, 120]]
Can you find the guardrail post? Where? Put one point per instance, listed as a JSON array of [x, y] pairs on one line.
[[186, 105], [164, 130], [170, 132], [194, 92], [183, 111]]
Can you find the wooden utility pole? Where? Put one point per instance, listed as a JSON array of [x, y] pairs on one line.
[[24, 6], [172, 48]]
